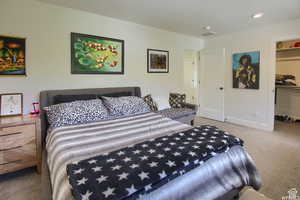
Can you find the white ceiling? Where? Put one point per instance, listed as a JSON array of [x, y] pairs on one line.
[[190, 16]]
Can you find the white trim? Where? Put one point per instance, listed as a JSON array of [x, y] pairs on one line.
[[248, 123], [211, 114]]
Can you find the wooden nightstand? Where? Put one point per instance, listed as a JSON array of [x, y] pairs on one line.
[[20, 143]]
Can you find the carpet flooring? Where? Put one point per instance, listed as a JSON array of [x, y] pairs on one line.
[[276, 155]]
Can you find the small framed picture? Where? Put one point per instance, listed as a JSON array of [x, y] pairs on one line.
[[158, 61], [11, 104]]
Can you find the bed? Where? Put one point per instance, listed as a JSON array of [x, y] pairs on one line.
[[221, 177]]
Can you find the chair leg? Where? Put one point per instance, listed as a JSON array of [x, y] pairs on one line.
[[236, 197], [192, 123]]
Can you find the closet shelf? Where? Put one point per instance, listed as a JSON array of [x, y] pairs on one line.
[[288, 58], [288, 87], [288, 49]]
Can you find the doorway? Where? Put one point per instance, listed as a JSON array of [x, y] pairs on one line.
[[287, 84], [190, 71], [212, 79]]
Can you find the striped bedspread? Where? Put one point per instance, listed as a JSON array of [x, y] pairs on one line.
[[73, 143]]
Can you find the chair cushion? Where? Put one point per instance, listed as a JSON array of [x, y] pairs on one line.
[[151, 103], [176, 100], [176, 113]]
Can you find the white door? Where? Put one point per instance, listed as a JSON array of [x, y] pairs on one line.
[[211, 94], [190, 76]]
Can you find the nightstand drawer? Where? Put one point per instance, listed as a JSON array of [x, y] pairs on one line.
[[25, 153], [20, 143], [16, 165], [17, 129], [15, 137]]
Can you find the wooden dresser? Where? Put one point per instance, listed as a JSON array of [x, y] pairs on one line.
[[20, 143]]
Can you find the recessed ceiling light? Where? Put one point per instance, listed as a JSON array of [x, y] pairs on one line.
[[257, 15], [207, 27]]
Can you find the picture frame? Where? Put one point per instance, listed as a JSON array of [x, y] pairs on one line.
[[12, 56], [246, 70], [11, 104], [92, 54], [157, 61]]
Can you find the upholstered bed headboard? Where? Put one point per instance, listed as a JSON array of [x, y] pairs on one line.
[[47, 98]]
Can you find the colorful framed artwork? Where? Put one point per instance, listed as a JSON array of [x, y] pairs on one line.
[[11, 104], [158, 61], [245, 68], [12, 56], [96, 55]]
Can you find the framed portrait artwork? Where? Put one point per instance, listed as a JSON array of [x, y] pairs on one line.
[[11, 104], [245, 70], [158, 61], [12, 56], [96, 55]]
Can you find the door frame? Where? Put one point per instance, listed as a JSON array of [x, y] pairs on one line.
[[197, 72], [222, 119]]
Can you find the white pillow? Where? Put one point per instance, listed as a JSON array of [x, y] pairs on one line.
[[162, 103]]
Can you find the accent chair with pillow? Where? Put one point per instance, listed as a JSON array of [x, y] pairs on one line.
[[179, 110]]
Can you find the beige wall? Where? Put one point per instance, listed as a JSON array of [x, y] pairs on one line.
[[288, 102], [254, 107], [47, 29], [290, 67]]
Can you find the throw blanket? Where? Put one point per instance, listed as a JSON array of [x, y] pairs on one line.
[[141, 168]]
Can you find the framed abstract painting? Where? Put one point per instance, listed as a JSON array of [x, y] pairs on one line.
[[158, 61], [96, 55], [12, 56], [245, 69]]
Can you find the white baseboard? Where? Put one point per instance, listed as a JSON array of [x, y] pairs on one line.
[[248, 123], [210, 113]]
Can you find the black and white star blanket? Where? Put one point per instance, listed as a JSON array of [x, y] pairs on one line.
[[138, 169]]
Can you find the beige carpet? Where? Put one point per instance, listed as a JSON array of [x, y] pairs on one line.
[[276, 155], [22, 185]]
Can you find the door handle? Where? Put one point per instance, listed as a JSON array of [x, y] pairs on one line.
[[221, 88]]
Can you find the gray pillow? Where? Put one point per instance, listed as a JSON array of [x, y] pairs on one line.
[[151, 103], [76, 112], [124, 106]]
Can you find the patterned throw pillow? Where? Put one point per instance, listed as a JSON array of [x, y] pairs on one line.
[[176, 100], [123, 106], [76, 112], [151, 103]]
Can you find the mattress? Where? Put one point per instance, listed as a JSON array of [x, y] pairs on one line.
[[227, 171]]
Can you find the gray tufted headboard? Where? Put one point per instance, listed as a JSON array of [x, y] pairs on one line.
[[47, 99]]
